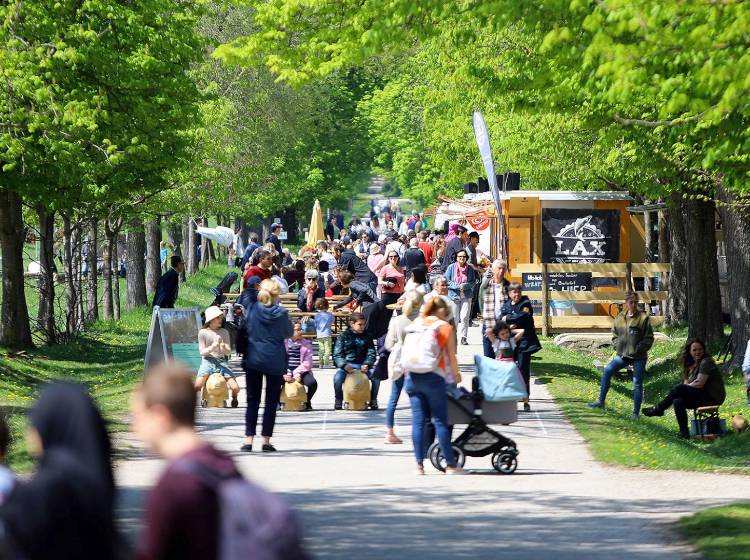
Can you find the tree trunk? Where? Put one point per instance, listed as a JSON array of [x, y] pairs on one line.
[[704, 297], [135, 243], [46, 312], [663, 236], [192, 265], [677, 303], [735, 219], [15, 329], [176, 242], [116, 279], [72, 263], [153, 256], [204, 246], [92, 292]]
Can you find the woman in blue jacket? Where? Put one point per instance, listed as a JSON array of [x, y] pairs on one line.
[[266, 327], [462, 280], [519, 314]]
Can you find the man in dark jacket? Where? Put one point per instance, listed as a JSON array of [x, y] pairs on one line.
[[354, 350], [169, 284], [454, 246], [348, 259], [249, 250], [413, 257], [274, 237], [632, 338]]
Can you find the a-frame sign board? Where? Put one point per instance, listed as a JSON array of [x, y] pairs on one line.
[[174, 336]]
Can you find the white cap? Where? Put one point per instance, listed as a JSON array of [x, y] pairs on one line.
[[212, 313]]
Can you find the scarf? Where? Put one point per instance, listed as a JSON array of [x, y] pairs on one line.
[[461, 275]]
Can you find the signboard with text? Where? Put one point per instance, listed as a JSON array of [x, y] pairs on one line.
[[558, 281], [580, 235], [174, 336]]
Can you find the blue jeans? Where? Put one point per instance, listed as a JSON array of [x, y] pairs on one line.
[[428, 400], [338, 384], [487, 345], [390, 411], [639, 370]]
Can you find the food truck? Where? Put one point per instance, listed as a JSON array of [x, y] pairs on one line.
[[573, 233]]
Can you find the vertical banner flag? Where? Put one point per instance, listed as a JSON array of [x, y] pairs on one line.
[[483, 143]]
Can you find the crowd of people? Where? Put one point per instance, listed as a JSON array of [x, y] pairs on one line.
[[439, 281]]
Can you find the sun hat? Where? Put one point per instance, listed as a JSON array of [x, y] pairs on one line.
[[212, 313]]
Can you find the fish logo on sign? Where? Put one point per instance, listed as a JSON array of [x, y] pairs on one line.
[[580, 241]]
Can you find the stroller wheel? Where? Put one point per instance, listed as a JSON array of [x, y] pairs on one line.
[[505, 463], [438, 460]]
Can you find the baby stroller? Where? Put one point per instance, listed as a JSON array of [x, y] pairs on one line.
[[493, 402], [224, 286]]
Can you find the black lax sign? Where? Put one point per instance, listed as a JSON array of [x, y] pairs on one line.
[[580, 235]]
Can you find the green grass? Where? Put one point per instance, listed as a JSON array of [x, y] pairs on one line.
[[720, 533], [650, 443], [108, 358]]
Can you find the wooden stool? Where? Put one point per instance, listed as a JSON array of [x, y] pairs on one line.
[[356, 391], [293, 396], [702, 415], [215, 391]]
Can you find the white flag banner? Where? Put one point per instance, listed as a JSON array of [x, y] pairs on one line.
[[222, 235], [483, 143]]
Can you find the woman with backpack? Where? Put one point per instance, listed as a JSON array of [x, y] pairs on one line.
[[428, 358], [393, 341]]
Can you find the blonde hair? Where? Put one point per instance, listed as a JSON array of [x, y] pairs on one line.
[[434, 305], [412, 302], [268, 293]]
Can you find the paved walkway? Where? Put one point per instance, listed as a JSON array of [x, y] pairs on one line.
[[358, 498]]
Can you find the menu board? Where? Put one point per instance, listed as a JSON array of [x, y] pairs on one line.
[[174, 336]]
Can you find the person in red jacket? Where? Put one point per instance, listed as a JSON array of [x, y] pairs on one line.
[[262, 270]]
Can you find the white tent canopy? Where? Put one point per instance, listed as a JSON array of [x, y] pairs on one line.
[[222, 235]]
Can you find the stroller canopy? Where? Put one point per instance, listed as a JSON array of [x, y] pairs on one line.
[[499, 380]]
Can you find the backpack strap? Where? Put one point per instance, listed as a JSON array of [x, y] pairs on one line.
[[205, 474]]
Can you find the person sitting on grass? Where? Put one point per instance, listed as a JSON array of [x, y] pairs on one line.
[[702, 385], [354, 350], [299, 366], [632, 338], [215, 348], [7, 480]]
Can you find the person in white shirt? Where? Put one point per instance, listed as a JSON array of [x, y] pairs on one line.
[[746, 369]]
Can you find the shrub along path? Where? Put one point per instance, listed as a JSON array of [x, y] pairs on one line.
[[359, 498]]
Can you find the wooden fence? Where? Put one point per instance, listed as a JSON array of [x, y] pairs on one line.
[[609, 298]]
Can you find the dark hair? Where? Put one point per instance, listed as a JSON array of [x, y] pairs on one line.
[[323, 266], [354, 317], [631, 294], [345, 277], [299, 265], [175, 260], [261, 254], [321, 304], [473, 234], [460, 230], [464, 251], [500, 326], [4, 437], [419, 274], [275, 227], [686, 360], [171, 385]]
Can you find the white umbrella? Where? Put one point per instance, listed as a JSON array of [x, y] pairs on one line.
[[222, 235]]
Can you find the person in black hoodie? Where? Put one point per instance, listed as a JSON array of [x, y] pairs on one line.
[[518, 313], [348, 260], [169, 284], [64, 511]]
